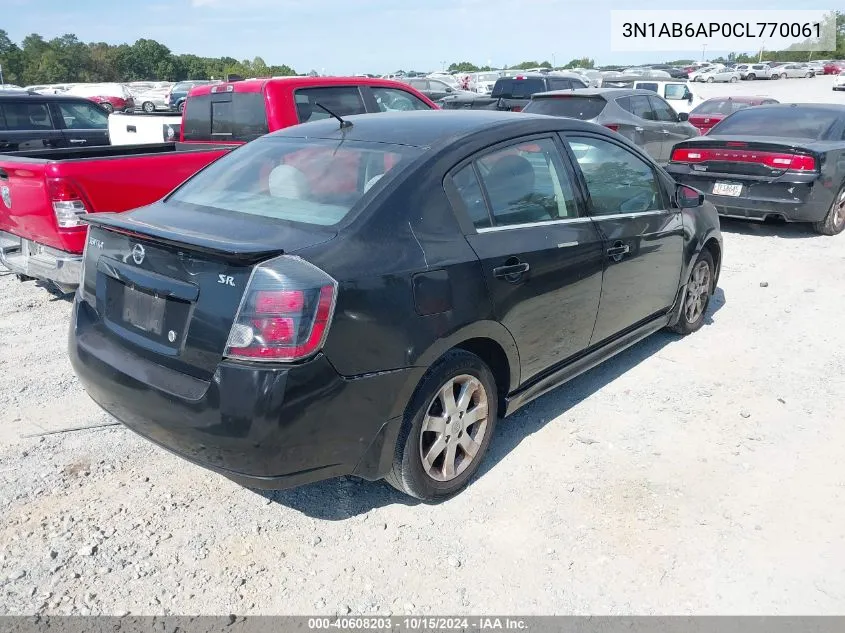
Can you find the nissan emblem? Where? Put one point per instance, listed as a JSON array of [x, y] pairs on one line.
[[138, 254]]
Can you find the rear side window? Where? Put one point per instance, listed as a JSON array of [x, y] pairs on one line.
[[308, 181], [526, 183], [576, 107], [342, 100], [396, 100], [238, 116], [720, 106], [638, 106], [807, 123], [25, 116], [518, 88], [647, 86], [562, 84], [466, 183]]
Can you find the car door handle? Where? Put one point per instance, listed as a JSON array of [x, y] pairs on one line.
[[617, 250], [78, 141], [511, 272]]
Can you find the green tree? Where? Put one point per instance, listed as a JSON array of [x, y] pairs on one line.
[[581, 62], [463, 67]]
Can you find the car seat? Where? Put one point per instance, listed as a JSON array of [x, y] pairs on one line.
[[288, 182]]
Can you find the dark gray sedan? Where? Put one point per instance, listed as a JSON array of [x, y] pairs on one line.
[[641, 116]]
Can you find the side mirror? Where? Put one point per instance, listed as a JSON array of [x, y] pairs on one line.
[[683, 116], [690, 97], [450, 89], [688, 197]]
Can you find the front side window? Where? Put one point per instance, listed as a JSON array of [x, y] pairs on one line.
[[662, 110], [619, 182], [83, 116], [526, 183], [342, 100], [396, 100], [647, 86], [293, 179]]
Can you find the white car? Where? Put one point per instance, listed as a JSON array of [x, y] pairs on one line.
[[839, 81], [713, 74], [792, 71]]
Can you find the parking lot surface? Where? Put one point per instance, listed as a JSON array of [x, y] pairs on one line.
[[701, 475]]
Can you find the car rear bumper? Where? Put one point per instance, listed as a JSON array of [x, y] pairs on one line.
[[29, 258], [263, 426], [790, 201]]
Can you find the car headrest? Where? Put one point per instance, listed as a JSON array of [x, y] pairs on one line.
[[285, 181]]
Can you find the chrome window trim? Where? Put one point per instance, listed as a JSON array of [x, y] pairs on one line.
[[507, 227]]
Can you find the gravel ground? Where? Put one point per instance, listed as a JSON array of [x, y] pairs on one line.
[[688, 475]]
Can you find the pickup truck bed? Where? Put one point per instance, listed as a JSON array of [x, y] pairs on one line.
[[72, 182]]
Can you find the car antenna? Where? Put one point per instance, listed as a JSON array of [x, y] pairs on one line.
[[343, 123]]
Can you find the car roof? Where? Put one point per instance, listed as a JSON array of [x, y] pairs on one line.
[[738, 98], [822, 107], [258, 85], [594, 92], [18, 94], [429, 128]]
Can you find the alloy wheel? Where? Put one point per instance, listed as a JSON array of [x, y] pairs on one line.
[[697, 292], [453, 429], [839, 211]]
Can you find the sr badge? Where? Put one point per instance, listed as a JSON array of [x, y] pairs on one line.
[[7, 196]]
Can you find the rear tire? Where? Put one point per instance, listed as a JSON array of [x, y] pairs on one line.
[[710, 80], [733, 80], [834, 221], [697, 296], [751, 76], [431, 462], [108, 107]]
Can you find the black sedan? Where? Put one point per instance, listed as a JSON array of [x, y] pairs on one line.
[[784, 161], [369, 297]]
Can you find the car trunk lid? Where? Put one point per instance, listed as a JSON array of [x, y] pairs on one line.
[[163, 284], [762, 157]]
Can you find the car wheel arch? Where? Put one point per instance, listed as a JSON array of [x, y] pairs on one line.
[[489, 340]]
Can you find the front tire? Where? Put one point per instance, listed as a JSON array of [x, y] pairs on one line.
[[107, 107], [834, 221], [181, 107], [697, 296], [148, 107], [710, 80], [733, 80], [448, 426], [751, 77]]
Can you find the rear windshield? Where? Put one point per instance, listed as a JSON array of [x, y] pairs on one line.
[[719, 106], [808, 123], [227, 117], [310, 181], [584, 108], [518, 88]]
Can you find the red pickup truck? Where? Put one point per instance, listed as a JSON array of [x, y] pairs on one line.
[[46, 193]]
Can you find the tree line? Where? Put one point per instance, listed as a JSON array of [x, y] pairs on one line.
[[67, 60]]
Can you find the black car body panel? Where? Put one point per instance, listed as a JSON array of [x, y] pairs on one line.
[[764, 191], [414, 279], [511, 94], [32, 121]]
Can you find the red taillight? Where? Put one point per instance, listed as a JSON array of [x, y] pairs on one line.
[[516, 109], [612, 126], [775, 160], [67, 201], [285, 312]]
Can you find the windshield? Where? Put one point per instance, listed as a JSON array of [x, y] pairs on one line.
[[584, 108], [790, 122], [311, 181]]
